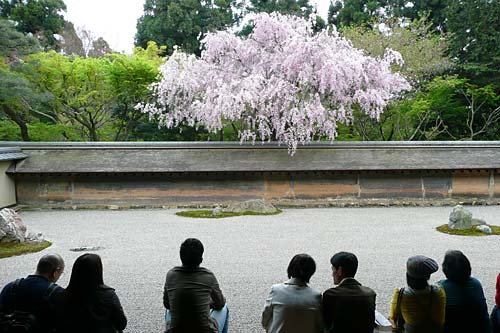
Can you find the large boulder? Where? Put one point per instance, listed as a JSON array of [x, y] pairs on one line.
[[12, 228], [460, 218], [256, 206]]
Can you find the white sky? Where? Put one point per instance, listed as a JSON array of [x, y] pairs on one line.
[[115, 20]]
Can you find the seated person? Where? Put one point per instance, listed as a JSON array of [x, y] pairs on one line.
[[37, 293], [466, 309], [419, 308], [190, 292], [349, 307], [87, 304], [293, 306]]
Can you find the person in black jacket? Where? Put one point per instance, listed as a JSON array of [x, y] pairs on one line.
[[36, 293], [87, 304], [349, 307]]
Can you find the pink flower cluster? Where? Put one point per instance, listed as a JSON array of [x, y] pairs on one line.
[[282, 82]]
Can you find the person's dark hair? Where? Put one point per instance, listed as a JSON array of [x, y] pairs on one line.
[[456, 266], [302, 266], [49, 263], [86, 277], [347, 261], [416, 283], [191, 252]]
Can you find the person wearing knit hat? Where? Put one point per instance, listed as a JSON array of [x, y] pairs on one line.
[[495, 314], [419, 307]]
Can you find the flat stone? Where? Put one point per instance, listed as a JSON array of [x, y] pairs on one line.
[[484, 228], [86, 248], [256, 206]]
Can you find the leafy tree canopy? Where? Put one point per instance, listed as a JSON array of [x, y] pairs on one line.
[[474, 27], [42, 18], [300, 8], [14, 44], [182, 22], [361, 12]]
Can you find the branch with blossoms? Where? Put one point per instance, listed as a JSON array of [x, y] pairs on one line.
[[282, 82]]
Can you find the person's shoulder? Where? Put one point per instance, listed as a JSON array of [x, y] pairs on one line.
[[7, 287], [367, 290], [474, 281], [331, 292], [106, 292], [314, 291], [438, 290]]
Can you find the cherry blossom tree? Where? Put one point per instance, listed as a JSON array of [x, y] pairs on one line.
[[283, 82]]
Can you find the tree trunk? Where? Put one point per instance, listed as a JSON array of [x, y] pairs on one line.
[[19, 121]]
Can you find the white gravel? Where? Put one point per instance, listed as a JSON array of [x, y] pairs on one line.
[[249, 254]]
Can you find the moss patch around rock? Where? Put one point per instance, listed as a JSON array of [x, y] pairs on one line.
[[495, 230], [208, 214], [15, 249]]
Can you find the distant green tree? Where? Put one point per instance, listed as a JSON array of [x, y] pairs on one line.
[[19, 100], [130, 76], [465, 110], [367, 12], [433, 10], [353, 12], [424, 53], [300, 8], [14, 44], [83, 95], [474, 27], [182, 22], [42, 18]]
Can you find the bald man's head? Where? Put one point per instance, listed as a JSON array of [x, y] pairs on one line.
[[50, 266]]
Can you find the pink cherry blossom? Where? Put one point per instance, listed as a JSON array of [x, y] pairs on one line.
[[282, 82]]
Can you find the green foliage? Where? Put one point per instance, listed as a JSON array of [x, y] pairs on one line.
[[423, 52], [19, 100], [15, 249], [300, 8], [82, 94], [352, 12], [181, 22], [14, 44], [467, 232], [462, 110], [367, 12], [42, 18], [9, 131], [474, 26], [130, 77], [207, 214]]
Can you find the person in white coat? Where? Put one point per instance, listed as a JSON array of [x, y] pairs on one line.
[[293, 306]]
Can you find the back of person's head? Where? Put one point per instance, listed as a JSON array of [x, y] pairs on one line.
[[302, 266], [347, 261], [418, 271], [51, 266], [456, 266], [416, 283], [86, 275], [191, 252]]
